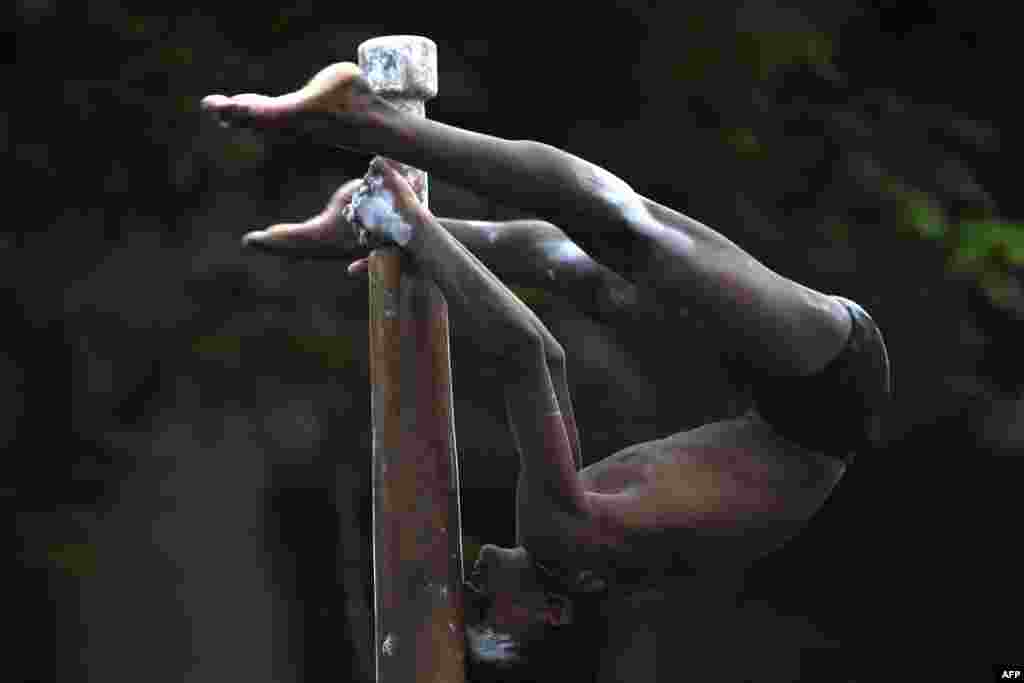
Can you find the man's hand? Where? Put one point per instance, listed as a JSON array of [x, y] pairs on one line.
[[385, 207], [329, 234]]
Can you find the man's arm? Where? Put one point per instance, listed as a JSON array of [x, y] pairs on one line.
[[549, 485], [503, 326], [565, 269], [527, 253]]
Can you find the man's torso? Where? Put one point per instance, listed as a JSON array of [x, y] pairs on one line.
[[727, 491]]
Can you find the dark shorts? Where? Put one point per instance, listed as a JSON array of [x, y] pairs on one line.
[[837, 410]]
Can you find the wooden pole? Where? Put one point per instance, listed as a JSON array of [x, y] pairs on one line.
[[417, 553]]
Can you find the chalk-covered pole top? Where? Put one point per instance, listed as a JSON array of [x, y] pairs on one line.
[[403, 71], [400, 67]]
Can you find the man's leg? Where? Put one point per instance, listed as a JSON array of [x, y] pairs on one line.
[[536, 253], [524, 253], [776, 325]]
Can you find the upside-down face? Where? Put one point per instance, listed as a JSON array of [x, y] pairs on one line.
[[507, 609]]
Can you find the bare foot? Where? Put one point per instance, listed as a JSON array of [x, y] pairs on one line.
[[337, 92], [328, 234], [364, 213]]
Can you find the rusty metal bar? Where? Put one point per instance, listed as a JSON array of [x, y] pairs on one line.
[[417, 553]]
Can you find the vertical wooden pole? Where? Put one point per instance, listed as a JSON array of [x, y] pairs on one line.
[[417, 554]]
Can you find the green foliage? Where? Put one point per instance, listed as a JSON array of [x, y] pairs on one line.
[[873, 152], [926, 216], [77, 559], [222, 348], [982, 249], [334, 352], [241, 152], [174, 56], [706, 46], [330, 352], [768, 51], [743, 141], [989, 244]]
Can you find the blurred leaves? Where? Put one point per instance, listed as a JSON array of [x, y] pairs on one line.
[[989, 244], [985, 250], [223, 348], [241, 152], [276, 349], [767, 51], [743, 141], [753, 43], [926, 216], [77, 559]]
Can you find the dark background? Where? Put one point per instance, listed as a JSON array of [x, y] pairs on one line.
[[186, 424]]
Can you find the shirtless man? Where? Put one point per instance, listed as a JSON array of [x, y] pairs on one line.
[[694, 504]]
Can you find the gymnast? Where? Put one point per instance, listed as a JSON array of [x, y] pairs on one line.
[[676, 511]]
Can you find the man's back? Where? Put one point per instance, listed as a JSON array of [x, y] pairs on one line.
[[685, 630], [728, 490]]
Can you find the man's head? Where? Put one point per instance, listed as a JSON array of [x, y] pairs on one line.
[[512, 619]]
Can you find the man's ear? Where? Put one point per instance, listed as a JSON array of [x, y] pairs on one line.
[[557, 611]]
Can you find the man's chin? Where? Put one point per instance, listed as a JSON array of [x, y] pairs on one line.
[[487, 646]]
